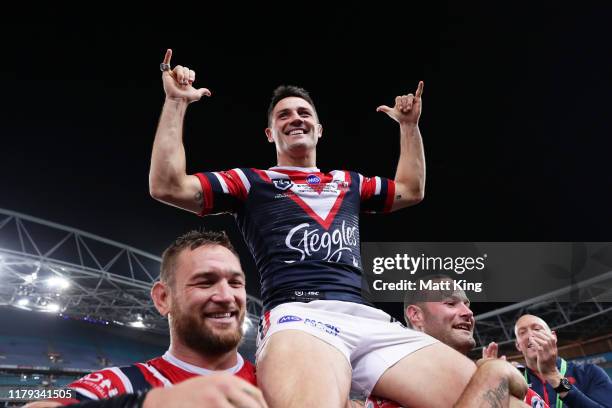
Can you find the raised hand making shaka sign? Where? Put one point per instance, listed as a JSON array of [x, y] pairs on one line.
[[407, 109], [178, 82]]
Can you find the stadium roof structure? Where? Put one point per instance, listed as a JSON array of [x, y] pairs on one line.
[[49, 267], [588, 316]]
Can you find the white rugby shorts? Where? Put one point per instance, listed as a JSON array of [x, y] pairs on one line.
[[366, 336]]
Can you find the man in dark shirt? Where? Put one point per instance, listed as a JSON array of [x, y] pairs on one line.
[[560, 383]]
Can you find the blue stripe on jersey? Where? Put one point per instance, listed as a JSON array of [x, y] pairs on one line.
[[222, 202], [136, 377]]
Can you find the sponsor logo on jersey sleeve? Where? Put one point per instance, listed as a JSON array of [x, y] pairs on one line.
[[102, 384]]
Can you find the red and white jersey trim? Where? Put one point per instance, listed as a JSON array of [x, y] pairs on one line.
[[155, 374], [127, 385], [222, 182], [199, 370], [233, 182], [113, 381], [369, 186], [244, 179]]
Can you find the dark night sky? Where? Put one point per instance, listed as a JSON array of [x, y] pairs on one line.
[[515, 123]]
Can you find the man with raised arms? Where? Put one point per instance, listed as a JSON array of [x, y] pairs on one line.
[[319, 338]]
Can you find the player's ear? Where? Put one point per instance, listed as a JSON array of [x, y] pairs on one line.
[[269, 135], [414, 315], [160, 293], [319, 130]]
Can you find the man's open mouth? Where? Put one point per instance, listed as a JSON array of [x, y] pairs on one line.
[[463, 326]]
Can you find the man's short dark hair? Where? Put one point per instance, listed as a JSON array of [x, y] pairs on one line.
[[286, 91], [420, 296], [191, 240]]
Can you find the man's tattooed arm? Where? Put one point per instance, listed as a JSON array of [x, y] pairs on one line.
[[497, 397], [495, 384]]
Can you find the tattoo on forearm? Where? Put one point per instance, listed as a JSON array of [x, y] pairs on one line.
[[496, 397], [198, 197]]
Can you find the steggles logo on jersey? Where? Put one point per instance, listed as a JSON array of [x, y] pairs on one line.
[[282, 184], [331, 244]]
